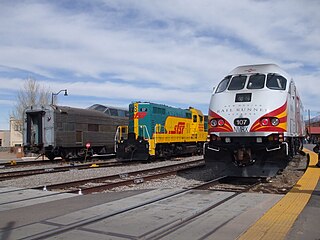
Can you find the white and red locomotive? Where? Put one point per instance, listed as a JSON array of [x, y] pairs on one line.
[[255, 122]]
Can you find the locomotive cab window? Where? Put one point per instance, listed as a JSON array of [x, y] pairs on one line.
[[237, 82], [256, 81], [276, 82], [195, 118], [223, 84]]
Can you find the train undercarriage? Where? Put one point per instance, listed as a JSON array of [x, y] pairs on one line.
[[245, 157], [138, 149], [67, 153]]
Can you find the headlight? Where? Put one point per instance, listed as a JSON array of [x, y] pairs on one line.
[[213, 122], [275, 121]]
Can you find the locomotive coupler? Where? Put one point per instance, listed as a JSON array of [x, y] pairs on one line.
[[243, 157]]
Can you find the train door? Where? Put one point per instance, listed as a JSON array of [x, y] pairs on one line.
[[34, 128], [194, 123], [292, 109]]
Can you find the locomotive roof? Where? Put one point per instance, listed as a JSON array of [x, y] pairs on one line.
[[82, 111], [96, 107], [160, 104], [65, 109], [260, 68], [163, 105]]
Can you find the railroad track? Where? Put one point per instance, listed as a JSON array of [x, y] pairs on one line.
[[234, 184], [37, 162], [108, 182], [29, 172]]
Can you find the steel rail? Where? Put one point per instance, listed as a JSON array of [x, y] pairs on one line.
[[29, 172], [117, 176]]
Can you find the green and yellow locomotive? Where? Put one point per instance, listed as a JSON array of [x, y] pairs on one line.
[[157, 130]]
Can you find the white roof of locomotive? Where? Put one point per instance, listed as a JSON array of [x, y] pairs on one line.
[[260, 68]]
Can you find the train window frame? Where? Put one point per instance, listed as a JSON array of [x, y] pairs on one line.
[[253, 81], [281, 82], [122, 113], [223, 84], [93, 127], [158, 110], [235, 80], [113, 112], [195, 118], [100, 108], [79, 137]]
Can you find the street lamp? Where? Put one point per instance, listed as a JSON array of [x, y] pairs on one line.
[[55, 94]]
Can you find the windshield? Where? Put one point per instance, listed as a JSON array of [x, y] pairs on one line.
[[276, 82], [256, 81], [237, 82], [223, 84]]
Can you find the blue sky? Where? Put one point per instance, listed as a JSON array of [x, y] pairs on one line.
[[171, 52]]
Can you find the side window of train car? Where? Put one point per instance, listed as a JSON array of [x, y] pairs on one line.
[[107, 111], [276, 82], [256, 81], [122, 113], [237, 82], [99, 108], [223, 84], [158, 110], [113, 112]]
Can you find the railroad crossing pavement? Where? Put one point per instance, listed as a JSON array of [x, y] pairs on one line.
[[123, 219], [12, 197]]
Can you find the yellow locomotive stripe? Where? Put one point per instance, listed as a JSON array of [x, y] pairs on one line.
[[276, 223], [283, 114], [135, 119]]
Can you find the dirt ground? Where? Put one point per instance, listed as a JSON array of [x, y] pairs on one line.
[[284, 181], [7, 155]]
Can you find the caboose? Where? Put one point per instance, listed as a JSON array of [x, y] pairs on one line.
[[157, 130], [255, 122]]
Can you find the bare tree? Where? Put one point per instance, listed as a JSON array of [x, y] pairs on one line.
[[31, 94]]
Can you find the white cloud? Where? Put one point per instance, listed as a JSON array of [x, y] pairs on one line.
[[164, 51]]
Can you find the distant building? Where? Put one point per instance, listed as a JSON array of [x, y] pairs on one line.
[[4, 138], [16, 128]]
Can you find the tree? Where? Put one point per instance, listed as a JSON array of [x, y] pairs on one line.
[[31, 94]]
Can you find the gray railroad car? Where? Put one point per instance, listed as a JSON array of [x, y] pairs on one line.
[[67, 132]]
